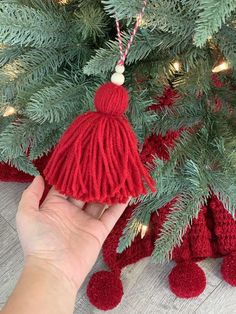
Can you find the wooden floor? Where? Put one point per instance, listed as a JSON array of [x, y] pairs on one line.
[[145, 285]]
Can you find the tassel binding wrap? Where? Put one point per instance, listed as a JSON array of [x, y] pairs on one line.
[[96, 159]]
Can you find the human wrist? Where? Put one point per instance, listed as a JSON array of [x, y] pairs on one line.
[[40, 267], [41, 288]]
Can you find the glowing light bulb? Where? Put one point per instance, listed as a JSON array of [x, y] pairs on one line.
[[177, 66], [223, 66], [143, 231], [9, 111], [141, 21], [63, 2]]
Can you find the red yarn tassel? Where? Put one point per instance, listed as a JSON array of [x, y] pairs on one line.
[[96, 159]]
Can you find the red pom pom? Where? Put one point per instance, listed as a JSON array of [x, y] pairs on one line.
[[228, 269], [105, 290], [111, 99], [187, 280]]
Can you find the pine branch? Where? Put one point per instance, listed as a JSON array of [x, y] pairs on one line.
[[167, 15], [22, 163], [140, 117], [15, 139], [62, 101], [172, 16], [145, 42], [90, 22], [8, 54], [35, 65], [45, 141], [186, 112], [122, 9], [25, 26], [142, 213], [227, 43], [224, 187], [192, 57], [176, 224], [212, 14], [196, 79], [4, 121], [21, 135], [169, 186], [7, 93], [187, 207]]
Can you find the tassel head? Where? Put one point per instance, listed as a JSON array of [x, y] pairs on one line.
[[111, 99]]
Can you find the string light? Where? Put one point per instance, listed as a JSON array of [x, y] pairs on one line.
[[9, 111], [177, 66], [143, 230], [142, 22], [63, 2], [223, 66]]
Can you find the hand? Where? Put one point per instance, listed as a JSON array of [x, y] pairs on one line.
[[62, 233]]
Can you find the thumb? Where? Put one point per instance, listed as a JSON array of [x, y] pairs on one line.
[[32, 195]]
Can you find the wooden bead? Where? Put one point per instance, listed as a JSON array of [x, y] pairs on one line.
[[118, 78], [120, 68]]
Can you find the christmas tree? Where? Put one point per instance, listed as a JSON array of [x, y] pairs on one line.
[[54, 55]]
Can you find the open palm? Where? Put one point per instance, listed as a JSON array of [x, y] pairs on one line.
[[66, 233]]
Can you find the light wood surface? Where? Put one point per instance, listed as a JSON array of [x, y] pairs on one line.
[[145, 284]]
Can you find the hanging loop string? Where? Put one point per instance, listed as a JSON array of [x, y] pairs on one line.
[[123, 54]]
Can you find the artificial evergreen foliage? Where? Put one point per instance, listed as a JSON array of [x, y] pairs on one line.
[[53, 56]]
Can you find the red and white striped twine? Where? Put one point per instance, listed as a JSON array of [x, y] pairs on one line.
[[123, 54]]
